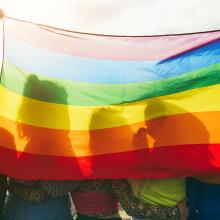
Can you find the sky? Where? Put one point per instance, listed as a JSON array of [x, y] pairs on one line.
[[120, 17]]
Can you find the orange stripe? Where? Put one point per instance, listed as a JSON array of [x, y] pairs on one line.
[[189, 128]]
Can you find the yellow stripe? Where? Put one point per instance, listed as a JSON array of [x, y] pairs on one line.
[[57, 116]]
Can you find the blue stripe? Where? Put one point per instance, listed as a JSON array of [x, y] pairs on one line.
[[58, 65]]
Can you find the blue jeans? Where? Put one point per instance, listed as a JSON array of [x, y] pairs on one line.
[[203, 200], [50, 209]]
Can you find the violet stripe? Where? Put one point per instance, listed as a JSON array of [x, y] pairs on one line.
[[107, 47]]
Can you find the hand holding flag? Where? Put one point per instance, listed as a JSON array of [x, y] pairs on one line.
[[1, 13]]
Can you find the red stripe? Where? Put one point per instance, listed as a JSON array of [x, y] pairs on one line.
[[163, 162]]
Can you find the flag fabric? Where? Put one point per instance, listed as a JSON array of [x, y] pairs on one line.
[[84, 106]]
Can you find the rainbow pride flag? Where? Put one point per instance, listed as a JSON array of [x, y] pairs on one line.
[[79, 106]]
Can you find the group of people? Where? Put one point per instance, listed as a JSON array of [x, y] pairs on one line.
[[149, 199]]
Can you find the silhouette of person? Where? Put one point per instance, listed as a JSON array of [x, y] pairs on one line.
[[49, 140], [161, 134], [42, 199]]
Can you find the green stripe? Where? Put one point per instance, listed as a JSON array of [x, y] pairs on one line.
[[92, 94]]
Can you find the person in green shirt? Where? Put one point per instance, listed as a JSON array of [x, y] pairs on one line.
[[162, 193]]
